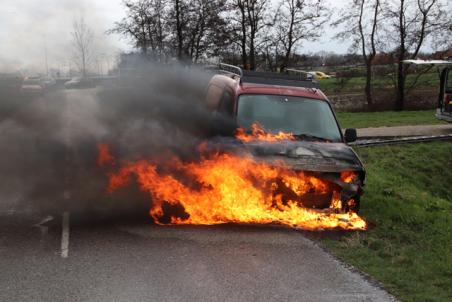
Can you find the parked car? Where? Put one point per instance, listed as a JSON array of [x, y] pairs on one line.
[[48, 82], [32, 87], [285, 104], [80, 82], [444, 107]]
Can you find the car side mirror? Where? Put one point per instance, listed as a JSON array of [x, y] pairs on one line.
[[350, 135]]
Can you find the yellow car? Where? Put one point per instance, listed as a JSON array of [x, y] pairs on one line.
[[318, 75]]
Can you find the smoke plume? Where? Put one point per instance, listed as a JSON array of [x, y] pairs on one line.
[[49, 143]]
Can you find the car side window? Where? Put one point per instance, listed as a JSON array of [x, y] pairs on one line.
[[226, 103], [213, 96]]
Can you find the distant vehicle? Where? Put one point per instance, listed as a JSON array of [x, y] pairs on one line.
[[10, 83], [318, 75], [303, 75], [444, 107], [48, 82], [32, 86], [79, 82]]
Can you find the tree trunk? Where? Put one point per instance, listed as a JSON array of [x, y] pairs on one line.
[[179, 30], [400, 105], [367, 89], [244, 55], [286, 58], [252, 54]]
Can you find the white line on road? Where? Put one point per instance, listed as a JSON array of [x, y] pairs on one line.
[[41, 225], [65, 236]]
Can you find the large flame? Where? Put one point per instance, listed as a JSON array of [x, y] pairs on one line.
[[227, 188], [258, 133]]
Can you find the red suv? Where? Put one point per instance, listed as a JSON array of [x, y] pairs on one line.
[[282, 103]]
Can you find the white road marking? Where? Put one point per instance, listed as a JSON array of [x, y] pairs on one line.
[[41, 225], [65, 236]]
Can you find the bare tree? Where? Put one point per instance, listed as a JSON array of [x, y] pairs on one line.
[[180, 12], [361, 19], [299, 20], [256, 10], [413, 21], [205, 28], [195, 28], [248, 18], [239, 28], [82, 39], [145, 23]]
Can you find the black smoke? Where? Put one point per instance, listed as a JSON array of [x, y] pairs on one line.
[[49, 143]]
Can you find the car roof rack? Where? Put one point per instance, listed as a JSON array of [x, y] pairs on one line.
[[295, 79], [231, 69]]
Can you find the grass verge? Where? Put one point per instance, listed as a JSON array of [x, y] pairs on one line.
[[408, 202], [387, 118]]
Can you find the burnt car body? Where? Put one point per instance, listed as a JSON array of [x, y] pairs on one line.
[[323, 153]]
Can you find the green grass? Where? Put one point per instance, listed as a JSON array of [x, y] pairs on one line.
[[408, 203], [387, 118]]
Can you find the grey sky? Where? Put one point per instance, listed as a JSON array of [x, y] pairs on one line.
[[29, 27]]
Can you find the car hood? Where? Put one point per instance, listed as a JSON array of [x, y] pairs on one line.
[[302, 155]]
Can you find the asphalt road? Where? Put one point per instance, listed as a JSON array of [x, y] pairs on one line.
[[68, 259], [124, 261]]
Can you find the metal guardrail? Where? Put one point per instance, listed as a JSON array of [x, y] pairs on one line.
[[401, 140], [231, 69]]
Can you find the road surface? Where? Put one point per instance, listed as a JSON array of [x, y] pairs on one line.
[[124, 261]]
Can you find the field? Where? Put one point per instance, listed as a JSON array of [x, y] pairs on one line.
[[387, 118], [408, 203], [357, 83]]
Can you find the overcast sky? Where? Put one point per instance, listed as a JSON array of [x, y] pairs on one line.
[[30, 27]]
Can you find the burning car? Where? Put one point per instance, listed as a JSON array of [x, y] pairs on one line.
[[276, 156], [286, 121]]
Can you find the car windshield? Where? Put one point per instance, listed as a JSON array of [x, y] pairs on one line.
[[297, 115]]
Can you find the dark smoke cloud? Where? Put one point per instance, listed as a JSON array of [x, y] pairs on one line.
[[48, 144]]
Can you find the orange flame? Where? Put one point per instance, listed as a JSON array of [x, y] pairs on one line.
[[225, 188], [103, 155], [348, 176], [259, 133]]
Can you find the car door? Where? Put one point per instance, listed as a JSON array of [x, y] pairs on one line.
[[445, 94]]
